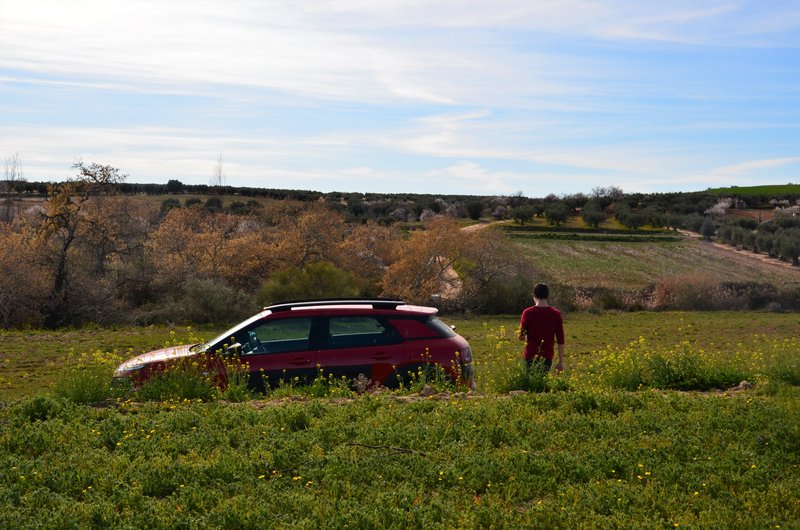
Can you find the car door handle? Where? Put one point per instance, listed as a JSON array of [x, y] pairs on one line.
[[380, 356]]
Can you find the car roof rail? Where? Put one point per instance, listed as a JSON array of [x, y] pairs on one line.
[[376, 303]]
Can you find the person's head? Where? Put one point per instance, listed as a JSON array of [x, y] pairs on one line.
[[541, 291]]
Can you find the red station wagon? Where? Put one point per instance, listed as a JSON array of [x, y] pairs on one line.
[[381, 340]]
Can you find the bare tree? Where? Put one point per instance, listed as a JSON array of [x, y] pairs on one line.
[[12, 173], [63, 215], [218, 178]]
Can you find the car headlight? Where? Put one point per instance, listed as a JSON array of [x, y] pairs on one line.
[[127, 370]]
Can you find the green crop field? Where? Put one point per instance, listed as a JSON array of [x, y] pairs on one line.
[[627, 265], [642, 431]]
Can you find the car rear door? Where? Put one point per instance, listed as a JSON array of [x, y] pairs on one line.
[[357, 345]]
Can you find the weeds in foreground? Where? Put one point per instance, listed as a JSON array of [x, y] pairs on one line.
[[531, 378], [88, 377], [581, 459], [499, 366]]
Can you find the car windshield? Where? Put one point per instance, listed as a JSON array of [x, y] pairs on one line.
[[222, 337]]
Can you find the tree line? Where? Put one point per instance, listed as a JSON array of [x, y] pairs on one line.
[[89, 253]]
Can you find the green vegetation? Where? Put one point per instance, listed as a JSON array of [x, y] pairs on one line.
[[33, 362], [607, 444], [775, 190], [624, 265], [563, 460]]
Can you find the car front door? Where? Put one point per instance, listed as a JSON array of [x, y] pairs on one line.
[[279, 351]]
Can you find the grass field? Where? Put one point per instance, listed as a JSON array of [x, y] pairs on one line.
[[30, 361], [586, 453], [625, 265]]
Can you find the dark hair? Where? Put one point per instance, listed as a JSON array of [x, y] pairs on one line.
[[541, 291]]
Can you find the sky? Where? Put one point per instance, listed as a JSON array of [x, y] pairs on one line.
[[479, 97]]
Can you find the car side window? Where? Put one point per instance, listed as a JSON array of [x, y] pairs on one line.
[[352, 332], [277, 336]]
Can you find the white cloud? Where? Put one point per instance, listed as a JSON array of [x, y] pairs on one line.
[[750, 167], [423, 51], [555, 92]]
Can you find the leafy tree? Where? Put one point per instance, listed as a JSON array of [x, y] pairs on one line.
[[214, 204], [474, 210], [606, 196], [628, 217], [174, 186], [425, 266], [708, 229], [557, 213], [592, 215], [749, 240], [366, 250], [522, 214], [788, 245], [453, 267], [316, 280], [575, 201], [312, 235], [654, 216], [194, 243], [765, 242], [169, 204], [213, 301]]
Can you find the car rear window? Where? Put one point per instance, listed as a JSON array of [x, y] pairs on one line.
[[430, 328], [351, 332], [441, 327]]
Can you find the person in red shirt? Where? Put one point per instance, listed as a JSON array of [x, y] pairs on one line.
[[541, 327]]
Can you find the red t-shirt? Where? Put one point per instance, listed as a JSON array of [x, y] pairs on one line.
[[542, 325]]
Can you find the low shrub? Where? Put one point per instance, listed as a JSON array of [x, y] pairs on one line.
[[534, 378], [88, 378], [180, 382], [783, 362], [40, 408], [638, 366], [237, 387]]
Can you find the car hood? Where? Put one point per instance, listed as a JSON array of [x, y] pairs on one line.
[[165, 354]]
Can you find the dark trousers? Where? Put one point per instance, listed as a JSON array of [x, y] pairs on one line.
[[539, 363]]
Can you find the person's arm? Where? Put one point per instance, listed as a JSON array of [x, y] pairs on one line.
[[522, 333], [560, 340], [560, 364]]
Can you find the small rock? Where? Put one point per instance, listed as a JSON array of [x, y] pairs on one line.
[[443, 396], [744, 385], [427, 391], [517, 392]]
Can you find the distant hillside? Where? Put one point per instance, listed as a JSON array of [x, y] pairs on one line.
[[777, 191]]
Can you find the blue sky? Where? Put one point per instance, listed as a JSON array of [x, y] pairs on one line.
[[486, 97]]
